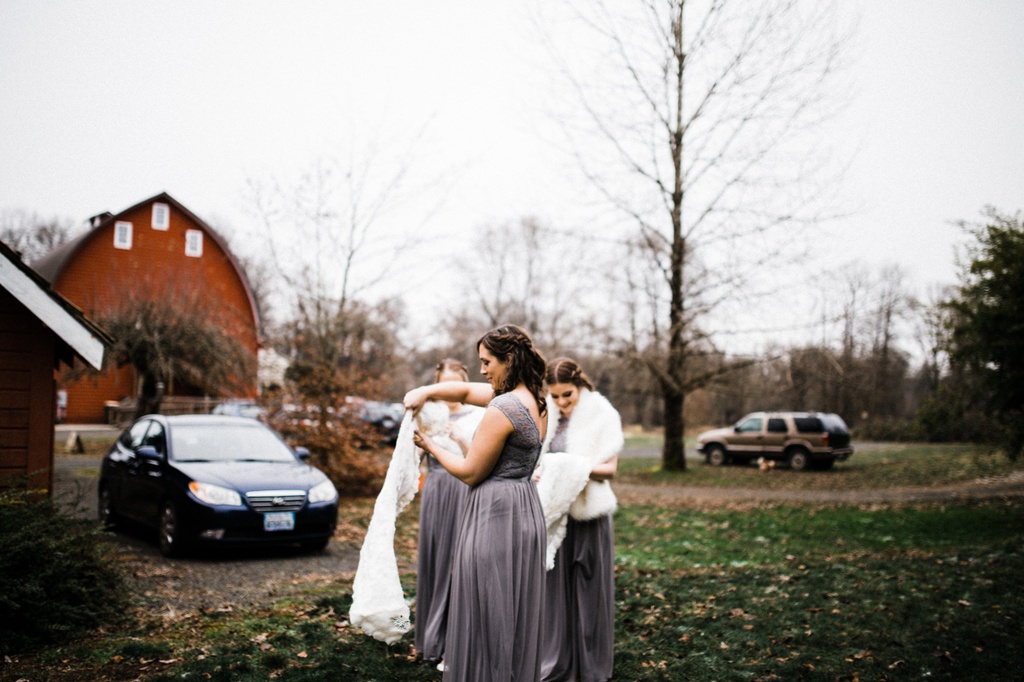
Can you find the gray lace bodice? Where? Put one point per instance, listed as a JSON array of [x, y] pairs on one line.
[[519, 456]]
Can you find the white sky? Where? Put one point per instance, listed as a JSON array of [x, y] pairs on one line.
[[103, 104]]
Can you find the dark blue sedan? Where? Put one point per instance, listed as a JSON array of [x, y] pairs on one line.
[[202, 479]]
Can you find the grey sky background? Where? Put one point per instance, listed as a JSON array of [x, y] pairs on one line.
[[103, 104]]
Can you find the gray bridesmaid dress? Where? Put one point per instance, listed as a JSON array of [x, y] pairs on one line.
[[441, 503], [497, 590], [579, 624]]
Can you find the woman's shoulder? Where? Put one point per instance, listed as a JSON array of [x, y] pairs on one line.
[[507, 401], [513, 405]]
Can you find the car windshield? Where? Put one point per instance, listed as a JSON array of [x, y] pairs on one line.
[[227, 443]]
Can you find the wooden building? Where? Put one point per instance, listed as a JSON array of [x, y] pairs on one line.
[[39, 330], [157, 250]]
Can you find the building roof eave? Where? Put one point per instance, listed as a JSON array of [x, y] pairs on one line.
[[69, 323]]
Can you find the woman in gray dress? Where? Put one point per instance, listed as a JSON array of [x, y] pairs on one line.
[[579, 629], [441, 503], [497, 588]]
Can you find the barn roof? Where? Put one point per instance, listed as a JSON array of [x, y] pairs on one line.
[[53, 263], [79, 335]]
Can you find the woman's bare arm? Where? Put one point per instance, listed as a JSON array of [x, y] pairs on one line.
[[494, 430], [450, 391], [605, 470]]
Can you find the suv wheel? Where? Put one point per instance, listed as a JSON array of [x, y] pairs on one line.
[[717, 456], [798, 459]]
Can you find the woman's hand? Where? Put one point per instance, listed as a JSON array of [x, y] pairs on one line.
[[416, 398], [422, 442]]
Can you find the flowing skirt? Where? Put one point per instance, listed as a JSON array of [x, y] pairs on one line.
[[441, 504], [579, 625], [497, 592]]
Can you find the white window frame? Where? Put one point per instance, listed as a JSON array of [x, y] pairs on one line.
[[194, 243], [161, 216], [122, 235]]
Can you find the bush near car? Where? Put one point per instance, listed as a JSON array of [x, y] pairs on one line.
[[799, 439], [55, 581]]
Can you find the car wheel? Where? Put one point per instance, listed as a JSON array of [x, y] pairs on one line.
[[108, 517], [717, 456], [171, 542], [798, 459]]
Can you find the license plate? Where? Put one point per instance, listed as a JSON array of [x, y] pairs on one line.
[[279, 521]]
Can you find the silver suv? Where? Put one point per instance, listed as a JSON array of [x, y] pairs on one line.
[[799, 439]]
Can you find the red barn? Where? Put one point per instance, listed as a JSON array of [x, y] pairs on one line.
[[157, 249], [38, 330]]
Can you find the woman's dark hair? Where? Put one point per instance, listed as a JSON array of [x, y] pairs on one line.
[[451, 365], [512, 345], [567, 371]]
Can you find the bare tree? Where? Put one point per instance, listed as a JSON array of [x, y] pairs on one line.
[[33, 235], [691, 126], [178, 336], [524, 273]]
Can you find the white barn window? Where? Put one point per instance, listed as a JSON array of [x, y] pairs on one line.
[[122, 234], [161, 216], [194, 243]]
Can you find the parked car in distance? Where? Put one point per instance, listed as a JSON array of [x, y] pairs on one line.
[[386, 418], [240, 408], [799, 439], [211, 479]]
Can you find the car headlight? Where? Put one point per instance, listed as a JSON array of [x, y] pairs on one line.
[[215, 494], [322, 492]]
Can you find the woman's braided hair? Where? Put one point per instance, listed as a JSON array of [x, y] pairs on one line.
[[567, 371], [451, 365], [512, 345]]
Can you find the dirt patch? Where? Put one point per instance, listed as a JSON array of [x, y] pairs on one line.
[[1011, 485]]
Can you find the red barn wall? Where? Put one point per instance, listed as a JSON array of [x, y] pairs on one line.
[[27, 395], [98, 277]]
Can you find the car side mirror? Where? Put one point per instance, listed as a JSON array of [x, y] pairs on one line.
[[302, 453], [148, 454]]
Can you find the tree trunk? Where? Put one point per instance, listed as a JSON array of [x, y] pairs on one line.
[[150, 396], [674, 453], [674, 456]]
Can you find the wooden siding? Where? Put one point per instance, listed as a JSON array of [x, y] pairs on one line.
[[99, 277], [27, 395]]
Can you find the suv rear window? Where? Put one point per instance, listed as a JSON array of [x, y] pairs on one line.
[[776, 425], [808, 424], [834, 423]]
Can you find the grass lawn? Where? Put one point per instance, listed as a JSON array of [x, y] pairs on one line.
[[771, 592], [871, 466]]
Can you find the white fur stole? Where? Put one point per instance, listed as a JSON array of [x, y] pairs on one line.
[[593, 436]]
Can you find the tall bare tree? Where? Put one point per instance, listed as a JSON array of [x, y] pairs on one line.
[[691, 127]]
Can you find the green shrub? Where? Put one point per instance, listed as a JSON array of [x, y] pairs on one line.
[[54, 581]]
